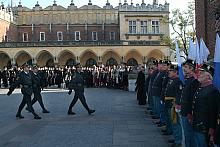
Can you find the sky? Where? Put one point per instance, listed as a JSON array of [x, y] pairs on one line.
[[182, 4]]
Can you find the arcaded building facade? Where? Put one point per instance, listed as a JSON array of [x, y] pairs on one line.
[[58, 36]]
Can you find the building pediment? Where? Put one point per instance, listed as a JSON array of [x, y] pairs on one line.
[[90, 7]]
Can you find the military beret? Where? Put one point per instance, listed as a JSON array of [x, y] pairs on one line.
[[190, 63], [208, 68]]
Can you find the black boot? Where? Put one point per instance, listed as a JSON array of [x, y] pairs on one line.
[[46, 111], [71, 112], [37, 117], [91, 111], [19, 116]]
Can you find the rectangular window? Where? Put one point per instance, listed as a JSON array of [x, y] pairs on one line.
[[60, 36], [112, 36], [94, 36], [132, 27], [42, 36], [25, 37], [143, 27], [77, 36], [155, 27]]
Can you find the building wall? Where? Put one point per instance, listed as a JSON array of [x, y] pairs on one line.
[[206, 21]]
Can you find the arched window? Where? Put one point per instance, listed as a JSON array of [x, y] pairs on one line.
[[70, 62], [132, 62], [91, 62], [111, 62], [50, 63]]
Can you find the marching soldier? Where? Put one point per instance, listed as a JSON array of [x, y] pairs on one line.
[[77, 84], [37, 85], [204, 108], [25, 80]]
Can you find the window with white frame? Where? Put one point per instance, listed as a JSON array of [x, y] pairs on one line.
[[42, 36], [60, 36], [25, 37], [143, 27], [112, 36], [77, 36], [155, 27], [94, 36], [132, 27]]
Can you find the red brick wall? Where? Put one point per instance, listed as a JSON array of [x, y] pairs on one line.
[[7, 29], [205, 22], [67, 34]]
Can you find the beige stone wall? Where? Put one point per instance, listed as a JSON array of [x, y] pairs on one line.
[[125, 17], [101, 54], [78, 16]]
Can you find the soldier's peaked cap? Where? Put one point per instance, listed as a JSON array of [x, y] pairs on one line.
[[190, 63], [208, 68], [173, 67]]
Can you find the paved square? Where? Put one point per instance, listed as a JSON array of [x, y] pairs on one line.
[[118, 122]]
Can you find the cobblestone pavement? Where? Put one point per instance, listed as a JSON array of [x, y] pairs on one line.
[[118, 122]]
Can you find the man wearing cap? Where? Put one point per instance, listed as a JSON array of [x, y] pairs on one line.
[[171, 96], [140, 87], [77, 84], [37, 85], [25, 80], [189, 88], [204, 109]]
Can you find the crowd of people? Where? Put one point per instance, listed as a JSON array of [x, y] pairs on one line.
[[110, 77], [188, 110]]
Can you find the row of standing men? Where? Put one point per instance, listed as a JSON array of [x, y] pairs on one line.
[[188, 110], [110, 77]]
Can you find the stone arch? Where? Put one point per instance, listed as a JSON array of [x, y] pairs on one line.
[[86, 55], [132, 62], [134, 54], [66, 58], [23, 57], [155, 54], [111, 62], [5, 60], [44, 58], [110, 55], [90, 62]]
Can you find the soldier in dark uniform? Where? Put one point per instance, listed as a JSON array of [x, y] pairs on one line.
[[171, 96], [140, 87], [77, 84], [217, 131], [37, 85], [204, 108], [25, 80], [190, 86]]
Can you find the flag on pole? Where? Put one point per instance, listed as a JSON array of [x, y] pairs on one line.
[[204, 51], [192, 51], [180, 69], [216, 78]]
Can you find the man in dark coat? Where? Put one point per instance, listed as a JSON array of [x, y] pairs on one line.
[[25, 80], [140, 87], [77, 84], [37, 85]]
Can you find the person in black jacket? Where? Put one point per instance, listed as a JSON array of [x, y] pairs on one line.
[[204, 108], [37, 85], [77, 84], [217, 131], [25, 80], [140, 87]]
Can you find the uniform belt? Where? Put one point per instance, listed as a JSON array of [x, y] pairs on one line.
[[169, 98]]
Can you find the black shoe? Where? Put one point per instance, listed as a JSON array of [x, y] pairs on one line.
[[19, 116], [171, 140], [91, 111], [176, 145], [71, 113], [167, 133], [37, 117], [46, 111], [27, 109], [164, 130], [161, 125], [155, 117]]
